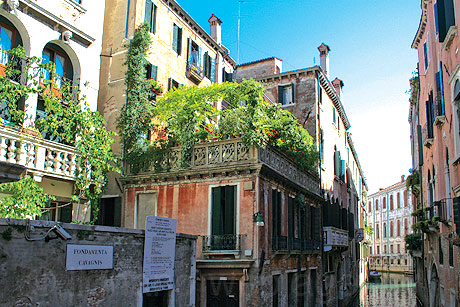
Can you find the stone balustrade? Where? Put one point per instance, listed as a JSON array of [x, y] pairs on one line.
[[234, 152], [41, 157]]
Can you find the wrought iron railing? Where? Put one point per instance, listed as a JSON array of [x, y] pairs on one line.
[[227, 242], [15, 63]]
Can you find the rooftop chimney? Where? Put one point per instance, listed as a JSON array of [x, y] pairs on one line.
[[324, 57], [338, 85], [403, 178], [215, 28]]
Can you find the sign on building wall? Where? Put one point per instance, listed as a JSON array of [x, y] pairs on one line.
[[159, 253], [89, 257]]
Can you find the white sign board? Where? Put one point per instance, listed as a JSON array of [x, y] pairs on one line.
[[159, 253], [89, 257]]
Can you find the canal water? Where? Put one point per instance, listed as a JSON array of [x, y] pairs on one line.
[[394, 290]]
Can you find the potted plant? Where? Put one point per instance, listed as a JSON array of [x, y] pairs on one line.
[[156, 87]]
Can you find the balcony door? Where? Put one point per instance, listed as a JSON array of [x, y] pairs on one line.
[[223, 218]]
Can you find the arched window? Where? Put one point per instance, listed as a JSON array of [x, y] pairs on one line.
[[384, 203], [406, 227], [398, 200], [376, 205], [377, 231], [405, 198], [391, 202], [384, 230], [63, 68], [370, 207], [391, 229], [398, 228], [9, 38]]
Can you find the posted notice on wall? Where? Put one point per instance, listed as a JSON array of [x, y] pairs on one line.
[[89, 257], [159, 253]]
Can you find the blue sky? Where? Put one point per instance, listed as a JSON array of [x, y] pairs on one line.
[[370, 51]]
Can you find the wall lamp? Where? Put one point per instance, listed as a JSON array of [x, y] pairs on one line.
[[258, 219]]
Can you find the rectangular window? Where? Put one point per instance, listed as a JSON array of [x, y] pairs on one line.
[[223, 211], [150, 14], [151, 71], [334, 116], [451, 254], [194, 56], [209, 66], [226, 76], [276, 213], [286, 94], [441, 254], [398, 248], [276, 290], [378, 249], [292, 298], [177, 39], [444, 17], [173, 84]]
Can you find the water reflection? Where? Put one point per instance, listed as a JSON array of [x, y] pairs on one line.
[[394, 290]]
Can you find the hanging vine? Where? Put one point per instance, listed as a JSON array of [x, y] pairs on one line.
[[68, 118]]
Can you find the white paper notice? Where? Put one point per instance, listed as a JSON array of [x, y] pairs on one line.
[[159, 253]]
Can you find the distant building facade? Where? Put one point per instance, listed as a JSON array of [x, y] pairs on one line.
[[389, 216], [181, 53], [435, 142], [316, 103], [68, 34]]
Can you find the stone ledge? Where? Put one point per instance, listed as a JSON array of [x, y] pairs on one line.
[[68, 226]]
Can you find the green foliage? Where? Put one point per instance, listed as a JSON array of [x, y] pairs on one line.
[[189, 116], [135, 120], [70, 118], [27, 199], [413, 179], [413, 242], [368, 229]]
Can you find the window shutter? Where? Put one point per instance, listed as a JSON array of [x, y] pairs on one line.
[[216, 220], [441, 18], [148, 13], [199, 57], [457, 213], [224, 75], [189, 50], [441, 90], [436, 18], [230, 77], [205, 64], [280, 94], [213, 70], [229, 210], [169, 83], [293, 92], [154, 72], [342, 170], [179, 41], [154, 18], [175, 37], [425, 55], [336, 163]]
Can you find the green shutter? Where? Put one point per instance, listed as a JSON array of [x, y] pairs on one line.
[[336, 163], [117, 212], [148, 13], [154, 72], [457, 213], [199, 57], [189, 51], [230, 77], [216, 212], [154, 18], [179, 41], [175, 38], [205, 64], [280, 94], [213, 69], [229, 210]]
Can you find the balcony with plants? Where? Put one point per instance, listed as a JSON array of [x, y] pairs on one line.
[[84, 157], [414, 244], [184, 130]]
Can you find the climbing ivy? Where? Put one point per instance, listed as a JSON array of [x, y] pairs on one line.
[[68, 118]]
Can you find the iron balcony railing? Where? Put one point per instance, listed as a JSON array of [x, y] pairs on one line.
[[283, 243], [15, 63], [227, 242]]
